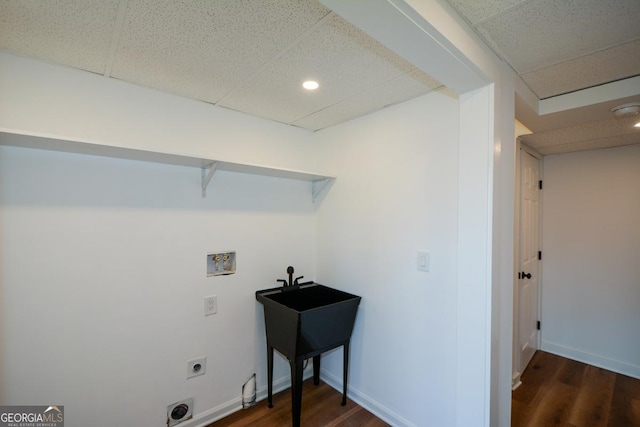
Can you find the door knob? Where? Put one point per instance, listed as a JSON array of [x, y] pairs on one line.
[[526, 275]]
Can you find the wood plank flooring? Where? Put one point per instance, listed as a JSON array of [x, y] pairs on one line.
[[555, 392], [561, 392], [320, 408]]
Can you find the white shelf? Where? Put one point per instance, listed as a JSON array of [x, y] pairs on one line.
[[208, 166]]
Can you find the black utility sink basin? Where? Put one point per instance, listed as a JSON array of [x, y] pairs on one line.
[[303, 321]]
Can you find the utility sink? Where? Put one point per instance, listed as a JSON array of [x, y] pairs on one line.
[[303, 321], [308, 319]]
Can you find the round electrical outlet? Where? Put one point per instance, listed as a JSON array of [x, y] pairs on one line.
[[179, 412], [196, 367]]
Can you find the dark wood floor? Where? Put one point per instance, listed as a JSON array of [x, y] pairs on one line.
[[561, 392], [320, 408], [555, 392]]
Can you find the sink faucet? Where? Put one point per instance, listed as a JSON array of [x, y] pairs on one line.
[[291, 282], [290, 272]]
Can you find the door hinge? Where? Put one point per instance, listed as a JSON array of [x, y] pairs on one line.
[[540, 185], [519, 275], [540, 255], [538, 325]]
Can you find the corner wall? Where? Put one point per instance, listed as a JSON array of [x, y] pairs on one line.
[[591, 264], [421, 31]]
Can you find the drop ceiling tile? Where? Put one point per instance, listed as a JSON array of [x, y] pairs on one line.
[[588, 131], [343, 59], [540, 33], [479, 10], [202, 49], [590, 136], [592, 144], [601, 67], [400, 89], [77, 34]]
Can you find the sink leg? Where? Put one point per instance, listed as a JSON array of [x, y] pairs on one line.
[[316, 370], [270, 375], [345, 373], [296, 391]]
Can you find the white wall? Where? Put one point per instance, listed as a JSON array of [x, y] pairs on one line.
[[102, 279], [486, 136], [421, 31], [591, 263], [397, 193]]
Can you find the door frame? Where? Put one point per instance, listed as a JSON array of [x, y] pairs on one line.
[[516, 372]]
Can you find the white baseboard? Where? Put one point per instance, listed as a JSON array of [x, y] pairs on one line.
[[203, 419], [515, 381], [380, 411], [592, 359]]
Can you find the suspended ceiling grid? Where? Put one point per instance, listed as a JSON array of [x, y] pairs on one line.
[[250, 56], [253, 56]]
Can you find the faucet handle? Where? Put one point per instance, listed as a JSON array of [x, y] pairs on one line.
[[295, 282], [284, 282]]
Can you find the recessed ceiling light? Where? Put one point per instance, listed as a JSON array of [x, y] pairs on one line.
[[310, 85], [626, 110]]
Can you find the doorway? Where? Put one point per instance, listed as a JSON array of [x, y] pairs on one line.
[[526, 339]]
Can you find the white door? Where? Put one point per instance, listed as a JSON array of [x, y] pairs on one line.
[[528, 273]]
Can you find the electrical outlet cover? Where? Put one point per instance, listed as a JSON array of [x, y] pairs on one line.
[[210, 305], [196, 367]]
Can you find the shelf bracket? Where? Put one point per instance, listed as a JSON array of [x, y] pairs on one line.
[[207, 174], [317, 187]]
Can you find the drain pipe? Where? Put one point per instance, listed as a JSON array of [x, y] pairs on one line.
[[249, 392]]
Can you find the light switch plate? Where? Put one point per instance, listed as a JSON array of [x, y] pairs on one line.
[[423, 261]]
